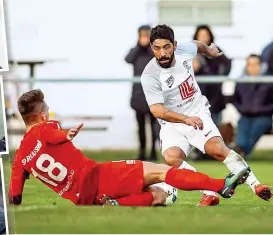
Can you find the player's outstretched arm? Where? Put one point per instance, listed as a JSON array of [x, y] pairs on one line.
[[53, 133], [161, 112], [210, 51], [17, 181], [74, 131]]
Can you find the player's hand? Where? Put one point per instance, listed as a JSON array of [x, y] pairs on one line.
[[73, 132], [213, 52], [196, 122]]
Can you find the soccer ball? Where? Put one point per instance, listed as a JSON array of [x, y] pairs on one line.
[[170, 191]]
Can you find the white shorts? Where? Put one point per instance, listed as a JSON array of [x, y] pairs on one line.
[[184, 137]]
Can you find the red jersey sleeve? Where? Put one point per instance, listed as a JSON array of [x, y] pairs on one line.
[[17, 181], [52, 133]]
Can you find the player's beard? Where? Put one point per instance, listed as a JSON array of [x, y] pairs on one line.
[[168, 64]]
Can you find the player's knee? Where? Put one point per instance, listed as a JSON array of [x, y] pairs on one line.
[[174, 157], [218, 149], [175, 162]]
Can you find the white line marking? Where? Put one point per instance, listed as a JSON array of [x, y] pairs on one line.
[[30, 208]]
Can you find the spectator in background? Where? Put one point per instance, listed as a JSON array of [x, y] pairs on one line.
[[204, 66], [266, 52], [254, 101], [2, 221], [269, 70], [139, 57]]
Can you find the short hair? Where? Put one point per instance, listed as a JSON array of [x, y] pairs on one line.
[[255, 56], [162, 32], [31, 102]]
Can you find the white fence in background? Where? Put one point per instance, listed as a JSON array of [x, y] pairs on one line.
[[84, 97]]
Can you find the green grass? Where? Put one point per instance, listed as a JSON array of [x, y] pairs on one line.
[[44, 211]]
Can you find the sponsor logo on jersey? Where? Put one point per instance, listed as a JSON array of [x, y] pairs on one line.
[[33, 153], [187, 89], [170, 81], [185, 103], [68, 184]]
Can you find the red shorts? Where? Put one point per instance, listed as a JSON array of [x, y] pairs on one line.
[[119, 179]]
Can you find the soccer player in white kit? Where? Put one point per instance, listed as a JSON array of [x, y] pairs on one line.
[[174, 97]]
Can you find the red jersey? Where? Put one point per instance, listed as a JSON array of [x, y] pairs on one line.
[[46, 154]]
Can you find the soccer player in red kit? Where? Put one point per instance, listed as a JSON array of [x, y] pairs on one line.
[[47, 153]]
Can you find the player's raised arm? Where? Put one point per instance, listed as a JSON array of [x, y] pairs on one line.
[[154, 96], [211, 51], [74, 131], [17, 181], [53, 133]]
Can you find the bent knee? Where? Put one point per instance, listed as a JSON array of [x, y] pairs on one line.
[[217, 148], [174, 156]]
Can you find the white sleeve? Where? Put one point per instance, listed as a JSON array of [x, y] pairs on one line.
[[152, 89], [187, 48]]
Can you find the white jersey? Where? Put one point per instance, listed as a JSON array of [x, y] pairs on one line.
[[175, 87]]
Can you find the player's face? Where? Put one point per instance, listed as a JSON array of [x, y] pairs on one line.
[[253, 67], [164, 52]]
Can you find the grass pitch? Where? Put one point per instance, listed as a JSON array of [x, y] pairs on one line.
[[43, 211]]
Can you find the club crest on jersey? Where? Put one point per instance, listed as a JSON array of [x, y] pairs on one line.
[[170, 81], [186, 65], [187, 89]]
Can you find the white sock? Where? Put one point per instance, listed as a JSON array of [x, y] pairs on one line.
[[187, 166], [235, 163]]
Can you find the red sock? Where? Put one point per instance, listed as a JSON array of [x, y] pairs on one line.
[[139, 199], [189, 180]]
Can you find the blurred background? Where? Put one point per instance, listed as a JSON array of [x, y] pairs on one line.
[[85, 55], [2, 128]]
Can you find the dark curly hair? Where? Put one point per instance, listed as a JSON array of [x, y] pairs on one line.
[[162, 32]]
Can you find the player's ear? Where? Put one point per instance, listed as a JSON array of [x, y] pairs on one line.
[[43, 116], [175, 45]]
